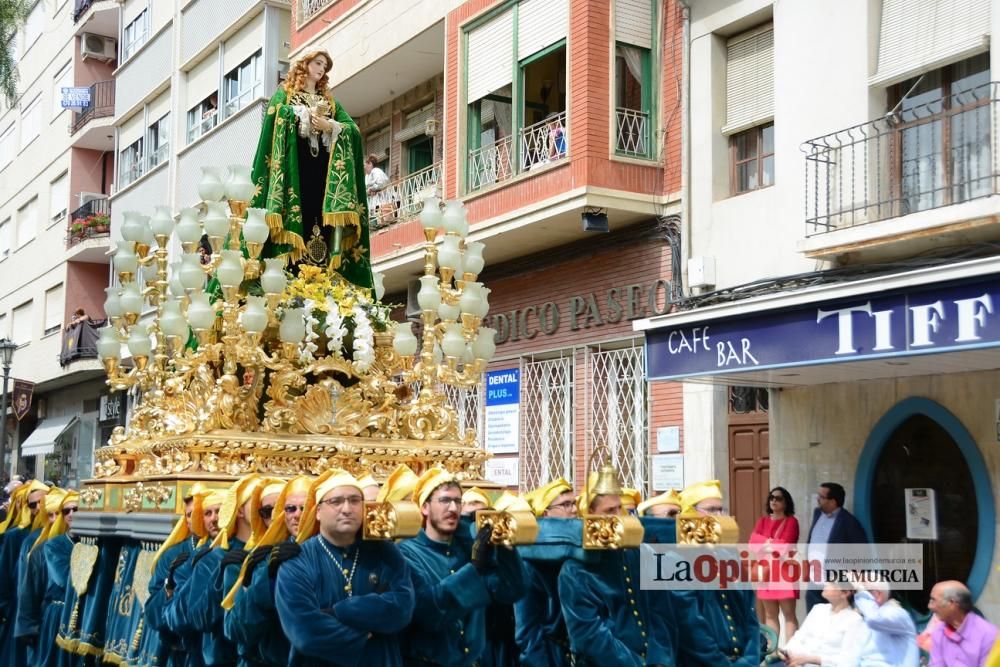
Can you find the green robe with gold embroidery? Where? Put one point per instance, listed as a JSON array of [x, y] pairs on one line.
[[345, 201]]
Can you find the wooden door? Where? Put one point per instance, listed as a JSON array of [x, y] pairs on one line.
[[749, 470]]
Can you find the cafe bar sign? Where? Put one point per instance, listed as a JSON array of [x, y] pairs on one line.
[[886, 325]]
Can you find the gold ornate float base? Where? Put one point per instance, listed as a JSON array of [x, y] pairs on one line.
[[156, 475]]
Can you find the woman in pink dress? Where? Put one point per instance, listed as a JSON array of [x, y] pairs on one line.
[[778, 530]]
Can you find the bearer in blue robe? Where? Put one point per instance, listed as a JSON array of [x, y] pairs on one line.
[[160, 646], [183, 589], [32, 586], [251, 620], [199, 602], [342, 601], [455, 578], [726, 629], [13, 551], [55, 553], [608, 616], [540, 631]]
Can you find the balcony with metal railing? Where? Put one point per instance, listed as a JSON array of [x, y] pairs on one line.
[[538, 145], [632, 133], [402, 199], [490, 164], [89, 233], [101, 105], [310, 8], [927, 167], [544, 142]]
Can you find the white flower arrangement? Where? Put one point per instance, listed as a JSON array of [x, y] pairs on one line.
[[364, 340]]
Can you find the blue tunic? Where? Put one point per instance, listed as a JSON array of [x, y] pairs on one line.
[[449, 622], [540, 631], [198, 606], [56, 553], [176, 616], [30, 602], [607, 615], [14, 652], [724, 631], [329, 628], [161, 646], [253, 623]]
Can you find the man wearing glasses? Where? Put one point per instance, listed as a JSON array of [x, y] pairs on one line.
[[455, 578], [251, 619], [342, 600], [540, 631]]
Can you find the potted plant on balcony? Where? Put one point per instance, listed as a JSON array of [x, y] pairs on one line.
[[76, 229], [99, 223]]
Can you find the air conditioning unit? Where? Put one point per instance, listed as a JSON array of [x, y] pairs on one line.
[[98, 47], [413, 311]]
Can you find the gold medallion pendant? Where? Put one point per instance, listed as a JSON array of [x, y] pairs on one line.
[[316, 249]]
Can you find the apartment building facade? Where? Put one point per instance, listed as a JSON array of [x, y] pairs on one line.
[[542, 116], [841, 268], [55, 176]]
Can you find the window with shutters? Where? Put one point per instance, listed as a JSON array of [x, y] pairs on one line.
[[243, 84], [942, 145], [54, 307], [633, 93], [59, 198], [7, 138], [377, 144], [750, 109], [63, 79], [21, 325], [5, 238], [27, 222], [516, 91], [31, 121], [33, 26]]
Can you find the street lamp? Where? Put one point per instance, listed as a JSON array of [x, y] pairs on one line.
[[7, 348]]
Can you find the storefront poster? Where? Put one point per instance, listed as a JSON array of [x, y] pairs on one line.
[[667, 472], [921, 514], [504, 471], [503, 411]]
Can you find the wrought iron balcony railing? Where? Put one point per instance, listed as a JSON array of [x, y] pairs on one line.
[[936, 154], [544, 142], [402, 199], [632, 132], [102, 104], [92, 220], [490, 164], [309, 8]]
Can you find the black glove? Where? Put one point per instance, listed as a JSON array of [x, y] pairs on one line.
[[171, 583], [233, 557], [256, 556], [482, 549], [280, 554]]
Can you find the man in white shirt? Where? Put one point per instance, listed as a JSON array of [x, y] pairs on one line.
[[375, 183], [891, 637]]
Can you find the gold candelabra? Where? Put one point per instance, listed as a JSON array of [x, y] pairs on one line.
[[252, 370]]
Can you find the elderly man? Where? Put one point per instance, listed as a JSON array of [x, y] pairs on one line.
[[252, 618], [455, 578], [890, 638], [539, 630], [342, 601], [962, 637]]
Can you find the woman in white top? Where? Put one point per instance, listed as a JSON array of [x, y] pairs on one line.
[[827, 632]]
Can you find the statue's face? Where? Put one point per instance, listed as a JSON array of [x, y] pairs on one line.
[[317, 67]]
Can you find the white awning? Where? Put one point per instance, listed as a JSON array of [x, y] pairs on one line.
[[43, 439]]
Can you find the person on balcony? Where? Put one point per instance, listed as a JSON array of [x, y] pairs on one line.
[[376, 182], [79, 316], [309, 175]]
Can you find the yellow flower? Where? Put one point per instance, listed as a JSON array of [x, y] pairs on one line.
[[309, 272]]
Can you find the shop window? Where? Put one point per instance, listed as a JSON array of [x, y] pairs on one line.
[[130, 166], [158, 141], [942, 149], [747, 400], [617, 410], [202, 117], [135, 34], [243, 84]]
